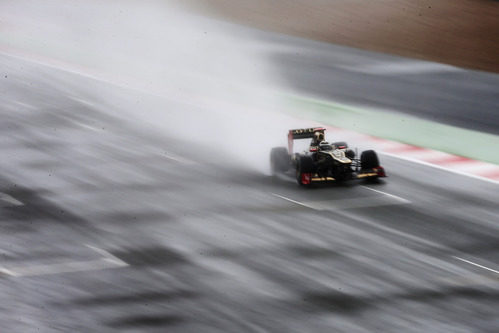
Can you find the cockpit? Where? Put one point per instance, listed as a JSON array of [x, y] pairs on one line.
[[325, 146]]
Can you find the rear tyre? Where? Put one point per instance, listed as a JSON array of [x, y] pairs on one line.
[[304, 168], [369, 160], [280, 160]]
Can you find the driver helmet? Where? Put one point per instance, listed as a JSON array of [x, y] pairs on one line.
[[318, 137]]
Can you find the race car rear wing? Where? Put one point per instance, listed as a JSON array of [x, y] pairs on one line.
[[302, 133]]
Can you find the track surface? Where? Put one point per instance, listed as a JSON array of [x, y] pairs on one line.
[[436, 92], [109, 225]]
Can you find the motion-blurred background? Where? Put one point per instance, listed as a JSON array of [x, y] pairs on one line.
[[134, 174]]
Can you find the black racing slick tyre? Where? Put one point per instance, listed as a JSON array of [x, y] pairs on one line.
[[350, 154], [280, 161], [304, 165], [369, 160]]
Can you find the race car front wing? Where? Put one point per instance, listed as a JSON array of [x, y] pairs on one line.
[[308, 178]]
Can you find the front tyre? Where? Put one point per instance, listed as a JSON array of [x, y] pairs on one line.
[[369, 160], [304, 170]]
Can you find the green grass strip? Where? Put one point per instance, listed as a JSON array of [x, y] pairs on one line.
[[399, 127]]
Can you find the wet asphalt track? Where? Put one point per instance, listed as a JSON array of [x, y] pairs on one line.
[[436, 92], [109, 225]]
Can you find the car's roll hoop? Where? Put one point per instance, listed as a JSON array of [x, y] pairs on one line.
[[302, 133]]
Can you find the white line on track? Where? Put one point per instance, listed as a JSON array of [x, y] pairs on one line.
[[440, 167], [107, 261], [387, 194], [426, 155], [335, 204], [293, 201], [107, 256], [177, 158], [475, 264], [10, 200], [82, 125], [406, 67], [394, 231], [7, 271], [471, 166], [28, 106]]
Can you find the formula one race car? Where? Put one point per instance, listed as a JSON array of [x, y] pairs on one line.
[[323, 161]]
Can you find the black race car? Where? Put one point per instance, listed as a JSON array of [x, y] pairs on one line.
[[323, 161]]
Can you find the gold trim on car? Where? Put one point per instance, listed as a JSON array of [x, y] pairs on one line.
[[370, 174], [322, 179]]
